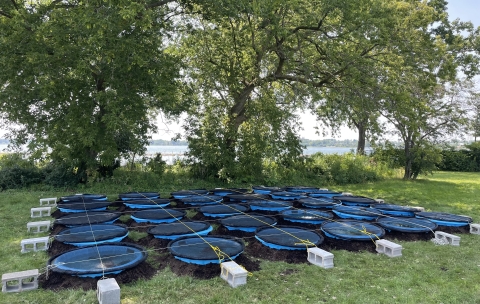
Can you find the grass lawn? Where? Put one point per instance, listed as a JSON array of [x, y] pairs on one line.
[[426, 273]]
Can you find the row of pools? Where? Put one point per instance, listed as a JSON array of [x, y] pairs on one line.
[[90, 226]]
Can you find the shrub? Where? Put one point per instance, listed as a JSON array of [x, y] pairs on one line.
[[61, 174], [16, 171]]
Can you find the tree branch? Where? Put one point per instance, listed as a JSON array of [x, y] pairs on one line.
[[158, 3], [2, 13]]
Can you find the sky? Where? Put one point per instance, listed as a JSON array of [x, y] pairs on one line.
[[465, 10]]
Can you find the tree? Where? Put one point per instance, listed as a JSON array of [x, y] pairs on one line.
[[239, 50], [77, 77], [423, 118]]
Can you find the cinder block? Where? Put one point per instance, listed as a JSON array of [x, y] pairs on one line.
[[347, 194], [108, 291], [48, 202], [234, 274], [20, 281], [418, 209], [450, 238], [37, 227], [475, 228], [380, 201], [35, 244], [391, 249], [320, 257], [40, 212]]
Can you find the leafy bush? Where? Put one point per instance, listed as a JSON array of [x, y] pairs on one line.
[[61, 174], [16, 171], [157, 165]]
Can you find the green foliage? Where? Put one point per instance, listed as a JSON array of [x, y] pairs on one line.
[[61, 175], [464, 160], [347, 168], [156, 164], [18, 172], [80, 81]]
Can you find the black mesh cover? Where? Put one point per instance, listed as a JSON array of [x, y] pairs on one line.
[[297, 237], [196, 248], [199, 199], [138, 195], [226, 191], [246, 197], [83, 197], [301, 189], [83, 205], [352, 200], [92, 260], [391, 207], [91, 233], [264, 188], [353, 230], [318, 202], [86, 218], [224, 209], [447, 217], [306, 215], [250, 220], [177, 228], [189, 192], [357, 210], [153, 202], [159, 214], [412, 225]]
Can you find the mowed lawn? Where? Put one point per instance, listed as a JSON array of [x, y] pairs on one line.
[[426, 273]]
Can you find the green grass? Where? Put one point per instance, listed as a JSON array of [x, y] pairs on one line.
[[426, 273]]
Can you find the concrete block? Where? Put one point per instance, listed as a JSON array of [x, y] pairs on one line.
[[48, 202], [20, 281], [347, 194], [35, 244], [391, 249], [446, 237], [108, 291], [417, 208], [320, 257], [37, 227], [234, 274], [475, 228], [380, 201], [40, 212]]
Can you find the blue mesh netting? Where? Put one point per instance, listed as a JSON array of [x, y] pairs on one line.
[[248, 223], [202, 199], [265, 190], [395, 210], [357, 213], [138, 195], [223, 210], [89, 217], [317, 202], [92, 234], [289, 238], [445, 219], [187, 193], [158, 215], [269, 205], [81, 206], [306, 216], [349, 200], [147, 203], [176, 230], [84, 197]]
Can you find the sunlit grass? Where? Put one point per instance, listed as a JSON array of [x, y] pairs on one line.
[[425, 273]]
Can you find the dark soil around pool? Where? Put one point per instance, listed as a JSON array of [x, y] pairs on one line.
[[160, 258]]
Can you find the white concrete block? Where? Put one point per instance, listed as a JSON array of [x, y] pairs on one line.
[[347, 194], [40, 212], [48, 202], [320, 257], [20, 281], [390, 249], [234, 274], [417, 208], [475, 228], [37, 227], [446, 237], [34, 244], [108, 291], [380, 201]]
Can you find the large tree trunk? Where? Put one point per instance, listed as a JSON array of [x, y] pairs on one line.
[[361, 139], [408, 159]]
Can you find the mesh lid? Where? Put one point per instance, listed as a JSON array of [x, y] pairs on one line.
[[98, 259], [84, 197], [189, 192], [153, 202], [297, 237], [196, 248], [357, 210], [82, 205], [91, 233], [250, 220], [324, 191], [177, 228], [301, 189], [159, 214], [264, 188], [224, 209], [353, 230], [447, 217], [138, 195], [355, 199], [392, 207], [306, 215], [270, 203], [226, 191], [89, 217], [208, 199], [286, 194], [406, 224], [246, 197], [318, 201]]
